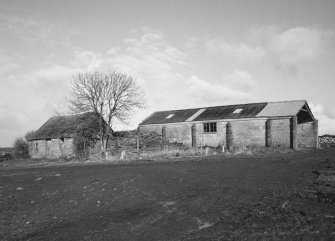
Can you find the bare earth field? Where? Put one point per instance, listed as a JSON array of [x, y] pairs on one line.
[[197, 198]]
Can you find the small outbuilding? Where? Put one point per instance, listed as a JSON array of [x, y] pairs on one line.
[[55, 138], [288, 124]]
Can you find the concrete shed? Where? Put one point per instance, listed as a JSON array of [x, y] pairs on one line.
[[54, 138], [288, 124]]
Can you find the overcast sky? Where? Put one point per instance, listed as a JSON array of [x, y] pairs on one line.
[[182, 53]]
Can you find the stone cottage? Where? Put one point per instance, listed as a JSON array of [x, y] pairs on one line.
[[54, 138], [288, 124]]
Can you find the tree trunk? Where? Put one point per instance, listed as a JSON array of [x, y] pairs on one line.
[[106, 142]]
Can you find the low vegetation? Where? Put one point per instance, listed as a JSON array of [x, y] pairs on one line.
[[21, 146]]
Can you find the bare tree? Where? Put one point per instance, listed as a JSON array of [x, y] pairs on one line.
[[110, 95]]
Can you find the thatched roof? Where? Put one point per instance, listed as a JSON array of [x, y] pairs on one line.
[[65, 126]]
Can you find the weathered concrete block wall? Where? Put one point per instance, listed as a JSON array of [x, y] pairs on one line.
[[147, 129], [212, 139], [183, 133], [280, 132], [53, 148], [248, 133], [307, 135], [245, 133], [180, 133], [175, 133]]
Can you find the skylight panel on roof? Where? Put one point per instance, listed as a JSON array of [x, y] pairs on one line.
[[195, 115], [169, 116], [237, 111]]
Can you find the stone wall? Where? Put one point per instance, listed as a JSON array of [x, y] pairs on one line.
[[307, 135], [52, 148]]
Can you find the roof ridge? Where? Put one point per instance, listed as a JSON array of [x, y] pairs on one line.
[[69, 115], [281, 101]]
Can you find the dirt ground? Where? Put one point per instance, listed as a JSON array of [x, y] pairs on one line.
[[200, 198]]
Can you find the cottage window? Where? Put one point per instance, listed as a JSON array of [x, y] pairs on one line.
[[210, 127], [36, 146]]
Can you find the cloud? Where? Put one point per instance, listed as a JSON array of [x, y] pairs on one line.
[[292, 49], [34, 30], [235, 88], [287, 50], [238, 51], [39, 94], [326, 121], [27, 100], [155, 64], [7, 63], [300, 44], [242, 81]]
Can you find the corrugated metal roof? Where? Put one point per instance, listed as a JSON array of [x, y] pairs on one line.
[[252, 110], [283, 108]]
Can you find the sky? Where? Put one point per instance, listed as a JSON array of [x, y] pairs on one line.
[[182, 53]]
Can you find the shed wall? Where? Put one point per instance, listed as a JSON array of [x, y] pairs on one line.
[[306, 135], [245, 132], [249, 132], [280, 132], [212, 139], [175, 133]]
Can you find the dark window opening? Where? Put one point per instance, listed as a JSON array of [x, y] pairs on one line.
[[304, 115], [36, 146], [210, 127], [62, 139]]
